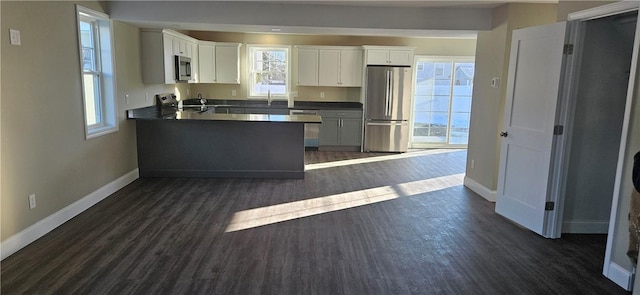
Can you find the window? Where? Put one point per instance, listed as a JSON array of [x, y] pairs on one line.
[[268, 71], [97, 68], [442, 102]]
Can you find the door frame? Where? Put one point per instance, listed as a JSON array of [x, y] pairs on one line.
[[576, 31]]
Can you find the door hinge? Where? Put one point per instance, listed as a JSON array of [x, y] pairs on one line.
[[568, 49], [558, 130], [548, 206]]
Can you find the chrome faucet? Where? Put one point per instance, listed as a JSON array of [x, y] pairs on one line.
[[203, 101]]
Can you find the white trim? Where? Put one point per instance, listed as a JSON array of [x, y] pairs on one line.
[[604, 11], [620, 275], [49, 223], [585, 226], [479, 189]]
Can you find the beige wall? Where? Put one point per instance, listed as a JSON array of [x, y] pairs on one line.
[[43, 146], [492, 60], [425, 46]]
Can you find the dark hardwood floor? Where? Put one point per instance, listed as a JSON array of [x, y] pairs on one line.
[[391, 224]]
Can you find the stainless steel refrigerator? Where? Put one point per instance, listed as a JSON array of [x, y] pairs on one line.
[[387, 109]]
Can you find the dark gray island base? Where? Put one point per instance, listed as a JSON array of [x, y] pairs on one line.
[[192, 144]]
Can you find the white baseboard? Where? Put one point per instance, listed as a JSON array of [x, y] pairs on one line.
[[480, 189], [620, 276], [585, 226], [49, 223]]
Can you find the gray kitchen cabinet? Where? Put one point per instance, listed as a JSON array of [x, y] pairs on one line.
[[229, 110], [340, 129]]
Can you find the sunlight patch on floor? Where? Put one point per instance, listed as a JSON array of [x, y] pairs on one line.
[[309, 167], [282, 212]]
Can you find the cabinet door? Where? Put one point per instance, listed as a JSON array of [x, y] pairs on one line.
[[328, 132], [328, 67], [377, 57], [351, 68], [227, 65], [308, 67], [179, 46], [169, 59], [350, 132], [401, 57], [206, 63], [192, 52]]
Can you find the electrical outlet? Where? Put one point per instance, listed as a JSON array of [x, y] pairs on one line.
[[473, 164], [188, 92], [146, 96], [321, 94], [32, 201], [233, 92], [294, 93], [126, 98]]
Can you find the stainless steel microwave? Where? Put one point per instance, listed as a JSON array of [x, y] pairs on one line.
[[183, 68]]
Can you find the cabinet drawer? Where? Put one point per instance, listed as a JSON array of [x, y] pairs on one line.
[[341, 113]]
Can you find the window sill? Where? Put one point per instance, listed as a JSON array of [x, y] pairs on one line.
[[97, 132]]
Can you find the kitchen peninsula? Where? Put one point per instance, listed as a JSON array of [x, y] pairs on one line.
[[197, 143]]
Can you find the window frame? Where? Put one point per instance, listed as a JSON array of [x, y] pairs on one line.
[[250, 71], [103, 73], [437, 59]]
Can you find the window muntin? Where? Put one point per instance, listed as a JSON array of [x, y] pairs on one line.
[[97, 71], [268, 71]]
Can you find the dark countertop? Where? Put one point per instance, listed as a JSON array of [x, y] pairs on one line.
[[151, 113], [190, 111], [247, 117], [309, 105]]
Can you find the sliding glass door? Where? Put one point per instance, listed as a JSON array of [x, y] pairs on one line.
[[442, 101]]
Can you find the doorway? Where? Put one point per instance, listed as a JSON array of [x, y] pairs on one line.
[[596, 119]]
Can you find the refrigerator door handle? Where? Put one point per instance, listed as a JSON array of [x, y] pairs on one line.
[[391, 99], [386, 95]]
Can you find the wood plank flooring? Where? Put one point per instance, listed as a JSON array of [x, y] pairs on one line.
[[422, 233]]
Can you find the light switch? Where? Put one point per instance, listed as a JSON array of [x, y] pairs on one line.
[[15, 37]]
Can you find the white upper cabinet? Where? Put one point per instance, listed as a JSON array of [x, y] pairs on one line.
[[351, 68], [219, 62], [307, 67], [228, 63], [329, 67], [206, 63], [336, 66], [158, 56], [389, 55]]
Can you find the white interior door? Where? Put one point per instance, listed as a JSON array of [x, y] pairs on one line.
[[529, 120]]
